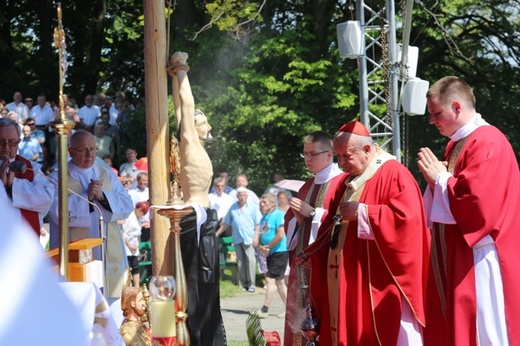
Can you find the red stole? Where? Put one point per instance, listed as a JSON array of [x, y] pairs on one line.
[[30, 216], [326, 196]]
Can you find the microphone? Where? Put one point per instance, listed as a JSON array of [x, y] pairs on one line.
[[21, 167], [17, 167]]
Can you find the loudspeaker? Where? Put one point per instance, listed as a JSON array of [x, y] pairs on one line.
[[411, 59], [350, 39], [413, 97]]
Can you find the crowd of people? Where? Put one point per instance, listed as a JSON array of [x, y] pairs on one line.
[[99, 114], [358, 256]]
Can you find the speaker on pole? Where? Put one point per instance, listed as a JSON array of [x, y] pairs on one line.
[[413, 97], [350, 39]]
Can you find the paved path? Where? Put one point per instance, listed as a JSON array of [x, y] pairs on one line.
[[235, 311]]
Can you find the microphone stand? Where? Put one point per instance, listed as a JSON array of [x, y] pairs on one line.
[[21, 169]]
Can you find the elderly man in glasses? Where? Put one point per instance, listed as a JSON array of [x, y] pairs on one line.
[[373, 266], [93, 188], [29, 193]]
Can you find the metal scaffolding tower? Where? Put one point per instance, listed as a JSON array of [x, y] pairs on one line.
[[381, 70]]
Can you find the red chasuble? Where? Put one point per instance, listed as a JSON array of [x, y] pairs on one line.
[[326, 196], [30, 216], [373, 276], [484, 197]]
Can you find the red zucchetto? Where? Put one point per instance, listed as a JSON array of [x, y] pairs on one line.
[[356, 128]]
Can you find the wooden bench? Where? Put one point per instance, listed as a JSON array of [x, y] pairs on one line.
[[228, 260], [145, 265]]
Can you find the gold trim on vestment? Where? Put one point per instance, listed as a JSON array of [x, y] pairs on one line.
[[353, 192], [302, 274], [336, 254], [370, 292], [435, 263]]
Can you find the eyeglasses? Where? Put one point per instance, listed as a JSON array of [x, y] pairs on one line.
[[12, 143], [31, 124], [310, 156], [31, 101], [84, 151]]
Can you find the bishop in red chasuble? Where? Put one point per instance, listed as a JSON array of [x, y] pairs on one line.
[[375, 266]]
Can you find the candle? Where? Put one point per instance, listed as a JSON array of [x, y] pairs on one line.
[[162, 318], [162, 310]]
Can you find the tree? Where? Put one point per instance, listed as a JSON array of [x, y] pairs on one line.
[[265, 72]]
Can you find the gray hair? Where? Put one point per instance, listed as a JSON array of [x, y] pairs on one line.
[[242, 189], [6, 122], [141, 174], [271, 197], [356, 140], [219, 180]]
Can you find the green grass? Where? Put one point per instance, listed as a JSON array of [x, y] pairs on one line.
[[237, 343], [228, 289]]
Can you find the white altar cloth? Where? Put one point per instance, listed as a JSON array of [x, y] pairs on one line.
[[95, 313]]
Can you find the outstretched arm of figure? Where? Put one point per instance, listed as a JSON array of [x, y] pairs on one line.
[[183, 97]]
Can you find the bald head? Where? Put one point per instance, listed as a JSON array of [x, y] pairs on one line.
[[82, 149]]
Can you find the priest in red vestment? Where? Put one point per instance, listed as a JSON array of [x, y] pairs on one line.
[[28, 192], [375, 264], [309, 216], [472, 203]]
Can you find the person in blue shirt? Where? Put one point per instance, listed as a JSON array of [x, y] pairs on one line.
[[244, 219], [271, 241], [29, 148]]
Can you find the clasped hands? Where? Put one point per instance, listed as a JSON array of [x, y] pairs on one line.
[[6, 177], [300, 208], [348, 211], [430, 166], [95, 190]]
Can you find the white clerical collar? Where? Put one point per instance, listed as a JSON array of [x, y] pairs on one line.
[[327, 173], [467, 129], [82, 174], [80, 169]]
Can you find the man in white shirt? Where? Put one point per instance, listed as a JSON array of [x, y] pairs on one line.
[[42, 113], [242, 182], [219, 200], [141, 194], [19, 107], [88, 114]]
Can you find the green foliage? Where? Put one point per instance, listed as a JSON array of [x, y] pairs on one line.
[[265, 74]]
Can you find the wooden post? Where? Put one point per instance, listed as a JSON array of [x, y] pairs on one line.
[[157, 134]]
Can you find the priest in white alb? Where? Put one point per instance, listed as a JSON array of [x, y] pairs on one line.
[[93, 186]]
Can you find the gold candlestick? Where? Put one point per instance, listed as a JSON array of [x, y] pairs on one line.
[[175, 214], [63, 127]]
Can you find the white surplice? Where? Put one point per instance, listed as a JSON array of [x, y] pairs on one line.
[[82, 215]]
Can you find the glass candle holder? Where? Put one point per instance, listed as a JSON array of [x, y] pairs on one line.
[[162, 310]]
